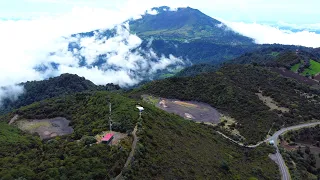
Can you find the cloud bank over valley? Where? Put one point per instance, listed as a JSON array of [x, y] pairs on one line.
[[44, 47], [96, 44], [270, 34]]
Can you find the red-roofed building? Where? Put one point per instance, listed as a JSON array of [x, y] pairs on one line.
[[107, 138]]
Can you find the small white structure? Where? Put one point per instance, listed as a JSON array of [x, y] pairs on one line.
[[140, 110], [271, 142]]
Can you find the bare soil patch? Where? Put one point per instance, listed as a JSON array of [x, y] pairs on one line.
[[271, 103], [200, 112], [46, 128], [290, 74], [230, 125]]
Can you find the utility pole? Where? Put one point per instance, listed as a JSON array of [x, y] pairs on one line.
[[110, 121]]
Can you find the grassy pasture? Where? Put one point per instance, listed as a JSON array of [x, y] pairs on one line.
[[314, 68]]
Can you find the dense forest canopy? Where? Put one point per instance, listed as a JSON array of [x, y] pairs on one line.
[[233, 90], [68, 157], [174, 148], [166, 143], [303, 160], [57, 86]]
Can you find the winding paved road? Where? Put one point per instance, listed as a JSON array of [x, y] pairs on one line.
[[285, 175], [283, 168]]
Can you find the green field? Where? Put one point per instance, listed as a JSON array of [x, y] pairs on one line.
[[171, 74], [295, 67], [313, 69], [275, 54], [163, 76]]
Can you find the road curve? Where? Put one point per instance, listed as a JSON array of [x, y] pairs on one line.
[[282, 165], [285, 175]]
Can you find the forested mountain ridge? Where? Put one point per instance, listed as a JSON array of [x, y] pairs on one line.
[[169, 146], [285, 56], [71, 156], [233, 89], [278, 56], [39, 90]]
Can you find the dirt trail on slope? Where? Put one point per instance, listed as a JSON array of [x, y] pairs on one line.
[[133, 148], [14, 119]]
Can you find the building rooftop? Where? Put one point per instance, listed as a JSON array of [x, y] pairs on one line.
[[140, 108], [107, 137]]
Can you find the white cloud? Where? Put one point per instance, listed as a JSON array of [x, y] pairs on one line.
[[26, 44], [312, 27], [11, 92], [267, 34], [152, 12]]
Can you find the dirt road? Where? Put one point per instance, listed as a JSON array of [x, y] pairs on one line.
[[133, 148]]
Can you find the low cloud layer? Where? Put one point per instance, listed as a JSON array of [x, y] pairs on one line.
[[10, 92], [40, 48], [268, 34]]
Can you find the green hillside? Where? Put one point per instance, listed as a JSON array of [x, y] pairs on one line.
[[233, 89], [185, 24], [295, 67], [169, 147], [39, 90], [28, 157], [313, 69], [266, 55], [173, 148], [87, 112], [304, 160]]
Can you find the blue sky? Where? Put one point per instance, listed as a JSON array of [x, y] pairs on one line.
[[289, 11]]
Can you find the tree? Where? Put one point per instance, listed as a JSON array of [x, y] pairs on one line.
[[299, 151], [312, 160], [87, 140], [307, 150]]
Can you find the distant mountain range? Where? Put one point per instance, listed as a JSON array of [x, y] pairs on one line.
[[185, 33]]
